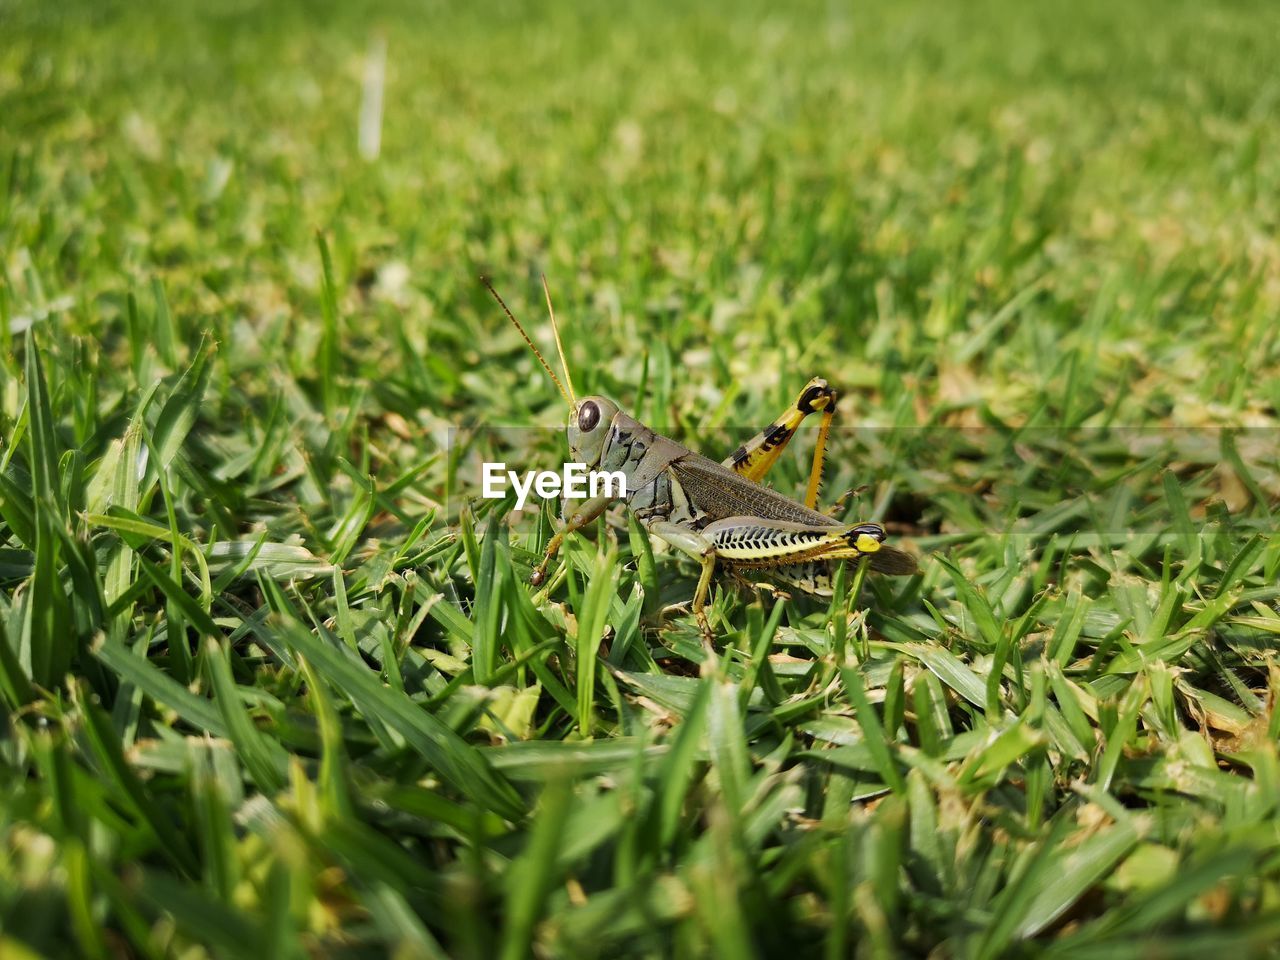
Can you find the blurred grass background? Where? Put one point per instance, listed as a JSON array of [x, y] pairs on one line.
[[268, 691]]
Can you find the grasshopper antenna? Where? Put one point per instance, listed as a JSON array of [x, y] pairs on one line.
[[545, 366], [564, 364]]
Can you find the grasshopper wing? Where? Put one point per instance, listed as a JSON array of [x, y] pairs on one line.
[[894, 562], [718, 492]]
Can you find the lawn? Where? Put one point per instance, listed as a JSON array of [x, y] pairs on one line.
[[273, 680]]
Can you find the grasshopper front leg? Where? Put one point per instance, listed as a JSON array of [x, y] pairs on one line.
[[575, 520]]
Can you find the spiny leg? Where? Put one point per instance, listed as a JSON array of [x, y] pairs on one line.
[[819, 456], [755, 457], [755, 543], [758, 543]]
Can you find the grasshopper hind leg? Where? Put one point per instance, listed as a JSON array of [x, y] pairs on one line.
[[817, 577], [793, 552], [754, 458]]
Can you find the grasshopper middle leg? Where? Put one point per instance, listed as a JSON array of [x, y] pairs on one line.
[[701, 548]]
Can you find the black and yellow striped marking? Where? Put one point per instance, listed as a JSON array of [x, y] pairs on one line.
[[763, 544], [755, 457]]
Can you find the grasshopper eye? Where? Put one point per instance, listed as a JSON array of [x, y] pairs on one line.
[[588, 417]]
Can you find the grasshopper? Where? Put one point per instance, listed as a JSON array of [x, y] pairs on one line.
[[714, 512]]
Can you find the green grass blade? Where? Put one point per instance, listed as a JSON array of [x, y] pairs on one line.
[[457, 761], [532, 874]]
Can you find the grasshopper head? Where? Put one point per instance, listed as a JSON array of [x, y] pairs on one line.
[[588, 427]]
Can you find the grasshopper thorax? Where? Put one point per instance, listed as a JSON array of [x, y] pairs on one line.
[[589, 424]]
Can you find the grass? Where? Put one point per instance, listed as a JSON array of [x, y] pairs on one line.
[[274, 684]]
